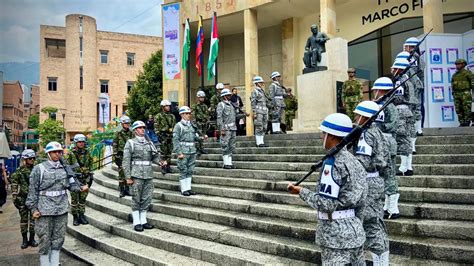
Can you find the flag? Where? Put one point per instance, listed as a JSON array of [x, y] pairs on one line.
[[214, 49], [186, 45], [199, 42]]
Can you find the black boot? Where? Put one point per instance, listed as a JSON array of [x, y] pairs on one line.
[[122, 190], [138, 228], [82, 219], [24, 244], [126, 191], [164, 170], [75, 220], [32, 241], [168, 168]]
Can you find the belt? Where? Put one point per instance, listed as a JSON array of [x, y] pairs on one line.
[[373, 174], [336, 215], [403, 106], [141, 163], [261, 107], [387, 134], [230, 125], [189, 144], [53, 193], [278, 97]]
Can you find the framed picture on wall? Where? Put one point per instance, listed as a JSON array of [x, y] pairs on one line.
[[452, 54], [450, 94], [447, 113], [436, 75], [436, 56], [437, 94], [451, 71], [470, 55]]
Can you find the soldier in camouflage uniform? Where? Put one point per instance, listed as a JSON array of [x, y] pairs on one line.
[[81, 160], [291, 104], [164, 124], [20, 185], [120, 138], [184, 138], [339, 198], [138, 155], [462, 84], [372, 152], [387, 121], [201, 117], [277, 95], [215, 100], [258, 100], [351, 93], [48, 200]]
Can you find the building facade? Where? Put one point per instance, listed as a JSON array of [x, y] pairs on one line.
[[78, 64], [13, 109]]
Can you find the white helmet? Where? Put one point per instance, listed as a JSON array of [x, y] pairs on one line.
[[400, 63], [201, 94], [53, 146], [184, 109], [367, 108], [220, 86], [225, 92], [79, 138], [28, 153], [412, 41], [257, 79], [165, 102], [138, 124], [275, 74], [383, 84], [125, 119], [336, 124], [403, 55]]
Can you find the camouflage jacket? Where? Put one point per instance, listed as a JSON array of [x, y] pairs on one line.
[[120, 138], [200, 113], [215, 100], [184, 136], [138, 155], [291, 103], [258, 101], [20, 184], [348, 232], [352, 91], [164, 123], [81, 162], [226, 116], [277, 94], [462, 80], [406, 93], [372, 150]]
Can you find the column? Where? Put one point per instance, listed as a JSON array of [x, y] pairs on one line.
[[289, 54], [328, 17], [433, 16], [250, 60]]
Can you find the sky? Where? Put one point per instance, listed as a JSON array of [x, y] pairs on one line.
[[20, 21]]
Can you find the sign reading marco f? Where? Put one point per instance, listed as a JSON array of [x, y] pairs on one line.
[[392, 11]]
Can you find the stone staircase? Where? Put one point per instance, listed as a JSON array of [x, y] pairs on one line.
[[245, 216]]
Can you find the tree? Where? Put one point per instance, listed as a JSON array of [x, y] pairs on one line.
[[33, 121], [147, 92], [50, 130]]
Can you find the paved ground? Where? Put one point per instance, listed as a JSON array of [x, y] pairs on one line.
[[10, 241]]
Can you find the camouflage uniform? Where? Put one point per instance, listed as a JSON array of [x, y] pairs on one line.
[[351, 95], [120, 138], [201, 117], [340, 240], [226, 121], [404, 101], [213, 102], [258, 101], [20, 186], [462, 83], [290, 111], [81, 160], [164, 124], [372, 153], [184, 136], [47, 194], [277, 95]]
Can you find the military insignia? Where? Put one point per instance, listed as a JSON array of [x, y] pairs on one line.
[[326, 172]]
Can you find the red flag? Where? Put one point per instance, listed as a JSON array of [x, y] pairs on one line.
[[199, 42]]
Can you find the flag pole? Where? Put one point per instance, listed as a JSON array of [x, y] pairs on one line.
[[215, 77], [188, 73], [202, 62]]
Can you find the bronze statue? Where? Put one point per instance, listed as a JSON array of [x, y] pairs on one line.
[[315, 46]]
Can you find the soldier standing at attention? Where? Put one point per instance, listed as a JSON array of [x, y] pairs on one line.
[[81, 160], [372, 153], [258, 100], [339, 198], [462, 83], [277, 95], [164, 123], [120, 138], [290, 111], [48, 200], [138, 155], [215, 100], [351, 93], [20, 185], [201, 117], [184, 137]]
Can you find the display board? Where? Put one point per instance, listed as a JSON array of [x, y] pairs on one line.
[[171, 45]]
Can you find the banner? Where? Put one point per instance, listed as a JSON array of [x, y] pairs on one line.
[[171, 44], [104, 110]]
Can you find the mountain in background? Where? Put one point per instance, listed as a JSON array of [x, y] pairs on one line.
[[27, 73]]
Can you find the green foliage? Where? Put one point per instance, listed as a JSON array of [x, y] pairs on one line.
[[147, 92], [33, 121], [50, 130], [49, 109]]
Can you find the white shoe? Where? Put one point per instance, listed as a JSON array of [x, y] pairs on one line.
[[136, 217], [403, 164]]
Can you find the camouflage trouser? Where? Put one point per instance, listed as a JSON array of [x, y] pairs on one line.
[[166, 148], [51, 231], [405, 130], [462, 103], [375, 231], [350, 256], [78, 202], [289, 116], [142, 194], [389, 175], [118, 161], [27, 223], [202, 127], [350, 107], [260, 123], [277, 113], [186, 166], [228, 142]]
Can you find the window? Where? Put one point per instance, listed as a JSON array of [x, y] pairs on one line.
[[130, 59], [55, 48], [52, 84], [130, 85], [104, 57], [81, 78], [104, 86]]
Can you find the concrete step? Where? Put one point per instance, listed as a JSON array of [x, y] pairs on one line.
[[128, 250], [77, 249], [433, 181], [437, 195]]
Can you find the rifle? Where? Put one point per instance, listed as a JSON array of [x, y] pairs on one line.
[[69, 171], [354, 134]]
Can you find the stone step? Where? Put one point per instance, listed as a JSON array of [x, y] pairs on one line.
[[438, 195], [433, 181], [128, 250], [77, 249]]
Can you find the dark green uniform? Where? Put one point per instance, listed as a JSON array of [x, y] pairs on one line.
[[20, 186], [215, 100], [290, 112], [164, 124], [120, 139], [462, 82], [200, 117], [81, 161], [351, 95]]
